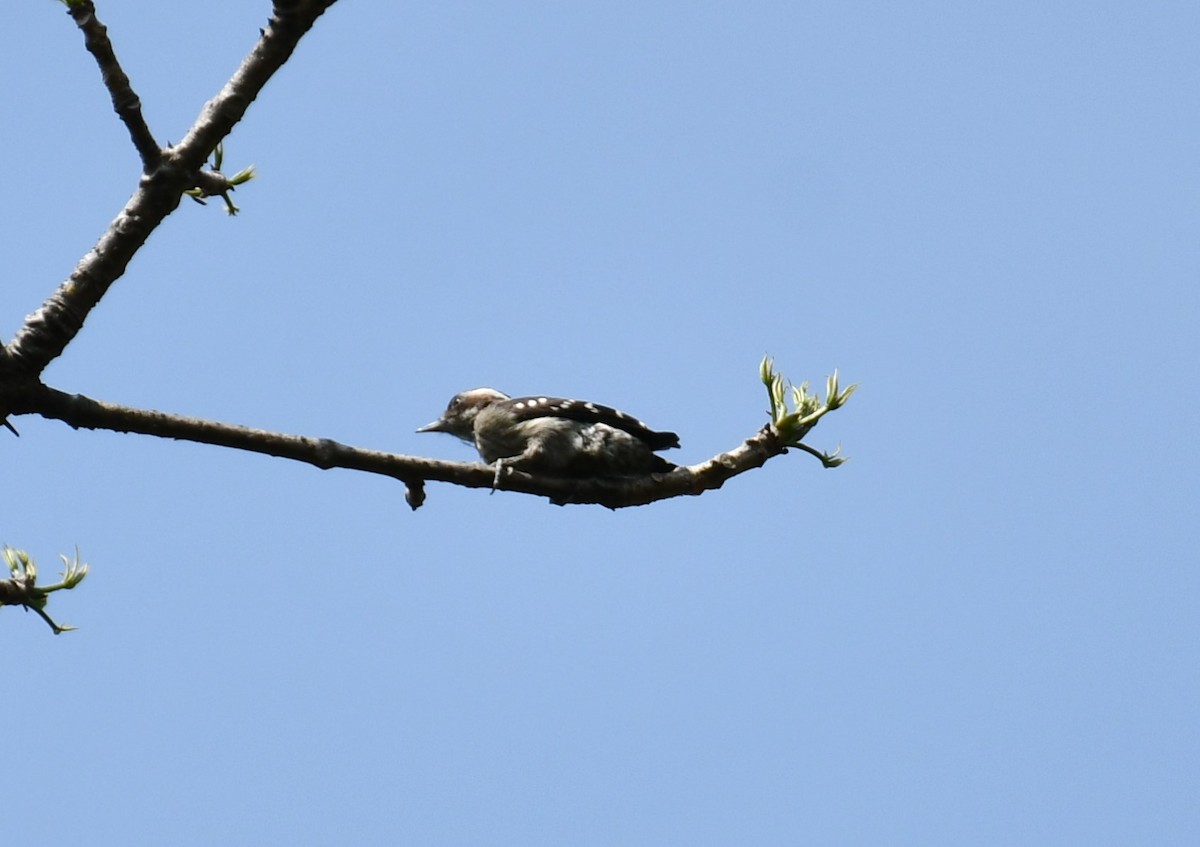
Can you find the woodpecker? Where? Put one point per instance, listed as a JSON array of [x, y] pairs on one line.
[[570, 438]]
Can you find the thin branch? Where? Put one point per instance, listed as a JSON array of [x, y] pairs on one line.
[[86, 413], [48, 331], [125, 101]]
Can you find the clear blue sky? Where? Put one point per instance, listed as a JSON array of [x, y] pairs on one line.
[[982, 630]]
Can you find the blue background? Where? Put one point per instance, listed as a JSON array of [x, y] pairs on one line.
[[982, 630]]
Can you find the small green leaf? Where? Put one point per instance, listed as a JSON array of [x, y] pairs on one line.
[[793, 424]]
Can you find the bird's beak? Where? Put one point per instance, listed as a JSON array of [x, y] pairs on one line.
[[434, 426]]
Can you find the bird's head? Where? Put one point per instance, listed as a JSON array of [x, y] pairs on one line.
[[459, 418]]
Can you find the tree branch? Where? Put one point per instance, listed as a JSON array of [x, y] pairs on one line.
[[289, 22], [82, 412], [126, 103], [48, 331], [167, 174]]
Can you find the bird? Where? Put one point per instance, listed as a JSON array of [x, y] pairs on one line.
[[554, 435]]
